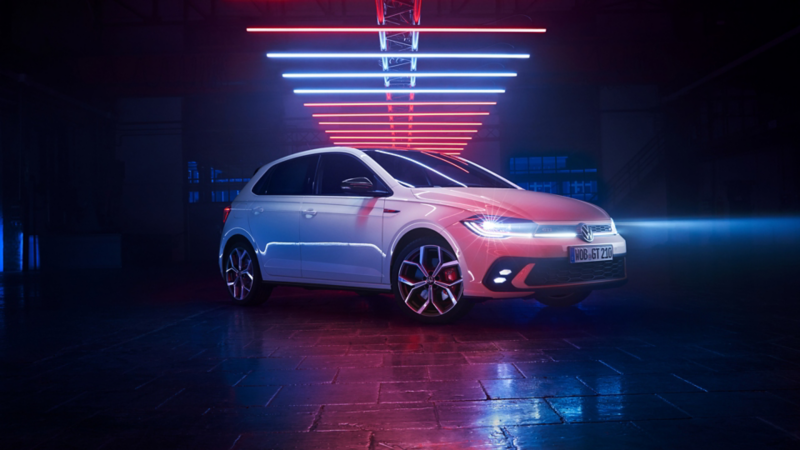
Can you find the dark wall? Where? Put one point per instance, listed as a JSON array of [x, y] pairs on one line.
[[231, 135], [99, 137]]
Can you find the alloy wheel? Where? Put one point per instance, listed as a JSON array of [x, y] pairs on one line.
[[239, 273], [430, 281]]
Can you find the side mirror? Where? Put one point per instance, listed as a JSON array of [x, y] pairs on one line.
[[360, 185]]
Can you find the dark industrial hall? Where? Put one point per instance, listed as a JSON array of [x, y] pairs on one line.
[[399, 224]]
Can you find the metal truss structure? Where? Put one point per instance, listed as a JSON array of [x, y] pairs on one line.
[[399, 13]]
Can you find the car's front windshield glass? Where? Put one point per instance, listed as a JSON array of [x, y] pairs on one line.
[[421, 169]]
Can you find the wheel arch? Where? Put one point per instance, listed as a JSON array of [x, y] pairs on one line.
[[231, 237], [409, 235]]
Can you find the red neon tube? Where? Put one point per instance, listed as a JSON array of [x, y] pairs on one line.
[[404, 104], [391, 30], [379, 7], [441, 138], [400, 131], [401, 114], [474, 124], [454, 144], [440, 151]]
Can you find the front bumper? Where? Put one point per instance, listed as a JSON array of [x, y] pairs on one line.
[[526, 275], [479, 258]]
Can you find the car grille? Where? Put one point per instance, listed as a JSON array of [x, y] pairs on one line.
[[548, 273], [600, 228], [544, 230]]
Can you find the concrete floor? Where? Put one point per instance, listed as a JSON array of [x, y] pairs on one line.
[[158, 359]]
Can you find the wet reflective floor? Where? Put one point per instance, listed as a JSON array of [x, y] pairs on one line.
[[159, 359]]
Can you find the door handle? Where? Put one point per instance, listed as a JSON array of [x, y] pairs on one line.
[[257, 211], [309, 213]]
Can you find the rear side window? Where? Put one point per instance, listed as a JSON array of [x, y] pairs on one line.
[[337, 167], [292, 177]]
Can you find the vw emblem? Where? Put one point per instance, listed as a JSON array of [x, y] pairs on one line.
[[585, 232]]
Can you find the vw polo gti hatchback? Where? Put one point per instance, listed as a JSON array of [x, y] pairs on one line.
[[438, 232]]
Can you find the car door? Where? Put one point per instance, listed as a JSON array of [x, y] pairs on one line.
[[341, 231], [275, 215]]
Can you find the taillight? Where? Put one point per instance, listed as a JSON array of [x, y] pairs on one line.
[[225, 213]]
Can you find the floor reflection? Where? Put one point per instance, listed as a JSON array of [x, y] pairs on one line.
[[121, 363]]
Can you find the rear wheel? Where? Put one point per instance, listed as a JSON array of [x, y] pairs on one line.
[[243, 276], [427, 282], [562, 300]]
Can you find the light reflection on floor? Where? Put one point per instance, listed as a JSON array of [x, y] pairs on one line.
[[151, 366]]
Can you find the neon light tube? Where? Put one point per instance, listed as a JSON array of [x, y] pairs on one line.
[[455, 138], [450, 149], [399, 91], [400, 75], [391, 30], [455, 144], [404, 104], [401, 55], [476, 124], [401, 131], [399, 114], [420, 149]]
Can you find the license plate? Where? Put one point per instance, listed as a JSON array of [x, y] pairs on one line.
[[591, 253]]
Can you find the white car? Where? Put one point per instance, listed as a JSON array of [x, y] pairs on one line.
[[437, 231]]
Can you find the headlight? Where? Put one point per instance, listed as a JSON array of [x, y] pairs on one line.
[[613, 226], [500, 227]]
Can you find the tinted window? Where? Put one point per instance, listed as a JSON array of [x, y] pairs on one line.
[[337, 167], [418, 169], [292, 177]]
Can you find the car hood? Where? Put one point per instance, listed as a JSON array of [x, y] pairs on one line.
[[536, 206]]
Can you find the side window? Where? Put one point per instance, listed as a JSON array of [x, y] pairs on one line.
[[292, 177], [404, 170], [337, 167]]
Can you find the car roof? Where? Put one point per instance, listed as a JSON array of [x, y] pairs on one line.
[[350, 150]]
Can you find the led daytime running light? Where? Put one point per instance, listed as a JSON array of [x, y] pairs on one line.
[[500, 227]]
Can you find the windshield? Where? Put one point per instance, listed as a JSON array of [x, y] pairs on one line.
[[418, 169]]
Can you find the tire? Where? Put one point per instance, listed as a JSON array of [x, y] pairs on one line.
[[562, 300], [430, 288], [243, 276]]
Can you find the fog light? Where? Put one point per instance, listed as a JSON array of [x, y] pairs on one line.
[[499, 280], [505, 272]]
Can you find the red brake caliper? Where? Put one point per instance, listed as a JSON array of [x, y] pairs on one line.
[[450, 274]]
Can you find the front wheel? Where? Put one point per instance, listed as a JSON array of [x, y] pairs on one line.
[[243, 276], [562, 300], [427, 282]]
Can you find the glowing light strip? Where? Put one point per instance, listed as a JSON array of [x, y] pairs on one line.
[[399, 114], [476, 124], [399, 91], [401, 55], [401, 75], [401, 131], [450, 149], [391, 30], [455, 144], [455, 138], [404, 103]]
